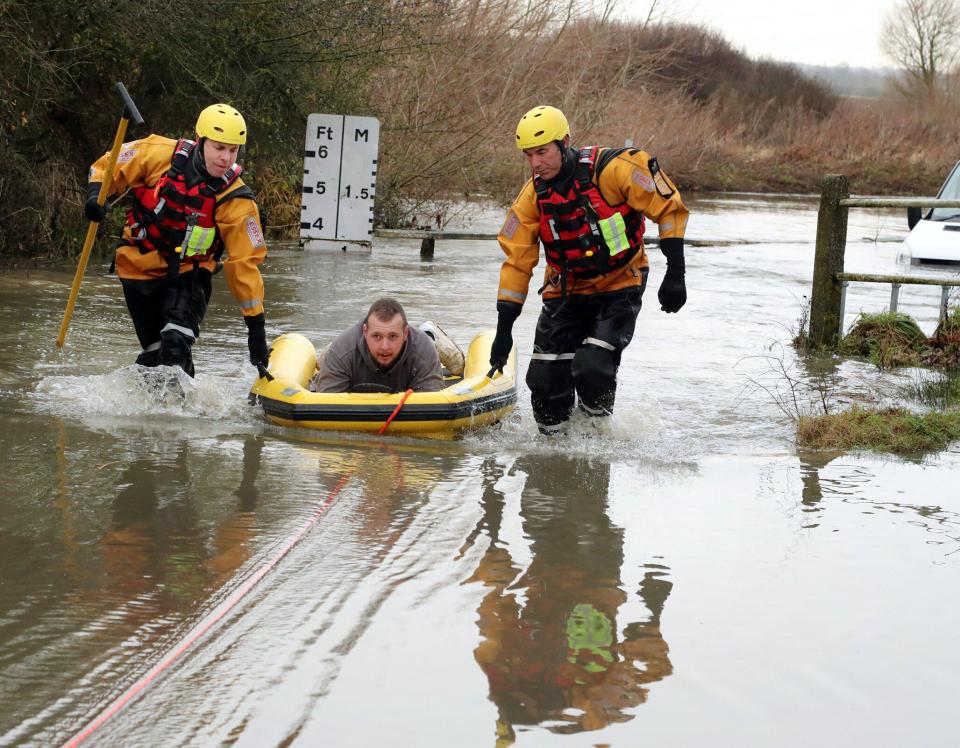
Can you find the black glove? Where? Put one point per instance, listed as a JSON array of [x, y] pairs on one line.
[[91, 208], [673, 291], [257, 341], [507, 313]]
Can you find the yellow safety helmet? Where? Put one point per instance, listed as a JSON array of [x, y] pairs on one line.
[[223, 123], [541, 125]]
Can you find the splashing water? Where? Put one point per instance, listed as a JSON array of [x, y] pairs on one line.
[[137, 391], [635, 430]]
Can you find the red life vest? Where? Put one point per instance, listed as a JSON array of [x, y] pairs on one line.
[[582, 234], [161, 214]]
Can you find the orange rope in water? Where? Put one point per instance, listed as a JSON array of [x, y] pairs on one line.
[[395, 411], [201, 629]]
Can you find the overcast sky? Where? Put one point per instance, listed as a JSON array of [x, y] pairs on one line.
[[817, 32]]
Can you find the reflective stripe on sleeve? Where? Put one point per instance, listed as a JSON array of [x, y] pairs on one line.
[[250, 304], [552, 356], [521, 297]]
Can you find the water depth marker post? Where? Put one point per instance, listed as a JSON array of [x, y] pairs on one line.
[[339, 181]]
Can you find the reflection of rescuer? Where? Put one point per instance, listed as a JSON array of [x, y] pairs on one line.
[[188, 206], [150, 541], [156, 539], [551, 646], [587, 208]]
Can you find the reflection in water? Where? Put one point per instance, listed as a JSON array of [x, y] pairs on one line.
[[72, 567], [810, 465], [164, 546], [155, 541], [235, 536], [849, 484], [247, 490], [266, 677], [365, 628], [552, 647], [394, 480]]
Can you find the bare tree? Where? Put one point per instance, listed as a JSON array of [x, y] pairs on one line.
[[657, 13], [923, 37], [448, 116]]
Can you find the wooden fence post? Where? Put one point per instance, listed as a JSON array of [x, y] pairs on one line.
[[828, 261], [426, 248]]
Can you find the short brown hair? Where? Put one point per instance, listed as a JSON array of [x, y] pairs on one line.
[[386, 309]]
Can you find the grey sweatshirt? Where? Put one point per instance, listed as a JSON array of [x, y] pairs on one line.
[[348, 362]]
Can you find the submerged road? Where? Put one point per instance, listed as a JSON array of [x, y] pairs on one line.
[[602, 588]]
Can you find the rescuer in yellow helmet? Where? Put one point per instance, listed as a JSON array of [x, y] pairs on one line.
[[586, 207], [187, 206]]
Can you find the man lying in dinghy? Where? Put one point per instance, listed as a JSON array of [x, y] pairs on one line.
[[383, 353]]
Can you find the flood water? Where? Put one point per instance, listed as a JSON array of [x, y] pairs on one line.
[[683, 576]]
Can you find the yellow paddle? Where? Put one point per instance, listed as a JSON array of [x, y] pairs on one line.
[[129, 113]]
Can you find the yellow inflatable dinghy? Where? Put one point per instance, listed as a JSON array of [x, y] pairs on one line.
[[466, 403]]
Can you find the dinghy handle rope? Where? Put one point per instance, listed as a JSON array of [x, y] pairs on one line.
[[395, 411]]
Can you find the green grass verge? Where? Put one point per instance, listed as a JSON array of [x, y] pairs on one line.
[[894, 430], [888, 339]]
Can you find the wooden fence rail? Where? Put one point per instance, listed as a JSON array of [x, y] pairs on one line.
[[428, 238], [828, 291]]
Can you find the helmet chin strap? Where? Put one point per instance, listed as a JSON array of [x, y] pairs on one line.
[[569, 161], [198, 160]]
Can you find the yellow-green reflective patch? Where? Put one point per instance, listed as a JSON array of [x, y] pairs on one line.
[[199, 240], [589, 638], [614, 231]]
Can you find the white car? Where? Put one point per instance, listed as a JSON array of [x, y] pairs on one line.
[[935, 235]]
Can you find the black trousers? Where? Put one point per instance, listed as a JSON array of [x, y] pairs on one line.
[[166, 315], [576, 353]]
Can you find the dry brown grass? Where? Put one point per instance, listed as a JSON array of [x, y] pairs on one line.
[[715, 119], [448, 116], [279, 190], [448, 80], [883, 146], [944, 345]]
